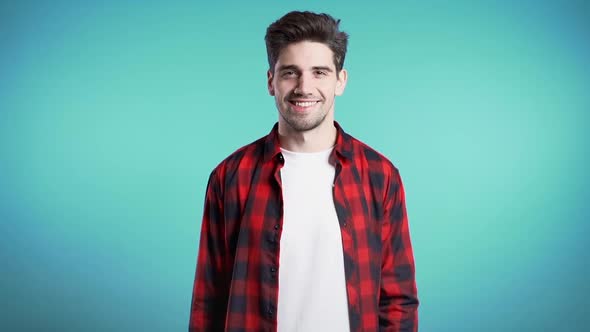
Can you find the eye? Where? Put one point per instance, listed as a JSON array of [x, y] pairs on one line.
[[320, 73], [288, 73]]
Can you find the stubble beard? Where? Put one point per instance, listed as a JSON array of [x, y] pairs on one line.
[[300, 122]]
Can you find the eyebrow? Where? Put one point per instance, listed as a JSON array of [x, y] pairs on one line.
[[328, 69], [295, 68]]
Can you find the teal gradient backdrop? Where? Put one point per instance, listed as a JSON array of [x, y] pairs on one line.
[[113, 114]]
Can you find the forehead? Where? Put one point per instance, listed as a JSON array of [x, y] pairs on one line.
[[306, 54]]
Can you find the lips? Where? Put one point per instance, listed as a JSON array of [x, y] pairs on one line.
[[303, 105]]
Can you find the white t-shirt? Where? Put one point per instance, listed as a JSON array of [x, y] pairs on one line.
[[312, 286]]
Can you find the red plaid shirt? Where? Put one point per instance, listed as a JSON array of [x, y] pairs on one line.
[[236, 282]]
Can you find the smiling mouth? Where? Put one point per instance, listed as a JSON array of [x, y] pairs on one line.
[[303, 104]]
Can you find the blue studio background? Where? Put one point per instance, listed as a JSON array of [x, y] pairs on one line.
[[113, 114]]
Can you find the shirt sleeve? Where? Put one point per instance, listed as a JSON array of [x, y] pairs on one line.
[[398, 300], [210, 290]]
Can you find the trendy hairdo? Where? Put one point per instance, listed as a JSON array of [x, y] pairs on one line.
[[299, 26]]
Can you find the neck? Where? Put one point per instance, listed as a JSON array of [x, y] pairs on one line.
[[318, 139]]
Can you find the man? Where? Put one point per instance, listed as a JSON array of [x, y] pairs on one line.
[[305, 229]]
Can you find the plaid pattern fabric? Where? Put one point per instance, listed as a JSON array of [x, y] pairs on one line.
[[236, 280]]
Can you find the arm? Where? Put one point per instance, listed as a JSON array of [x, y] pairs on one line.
[[398, 301], [210, 291]]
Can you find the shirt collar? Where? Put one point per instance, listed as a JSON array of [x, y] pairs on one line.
[[342, 148]]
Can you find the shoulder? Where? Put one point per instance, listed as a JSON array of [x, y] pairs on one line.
[[367, 157], [377, 170], [246, 156]]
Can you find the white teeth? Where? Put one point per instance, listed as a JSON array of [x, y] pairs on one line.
[[305, 103]]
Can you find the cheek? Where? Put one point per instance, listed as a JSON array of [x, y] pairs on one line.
[[328, 92], [282, 89], [328, 88]]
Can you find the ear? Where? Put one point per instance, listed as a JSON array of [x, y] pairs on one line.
[[341, 82], [271, 90]]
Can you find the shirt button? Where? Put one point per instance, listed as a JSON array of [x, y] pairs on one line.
[[277, 226], [272, 269], [280, 156]]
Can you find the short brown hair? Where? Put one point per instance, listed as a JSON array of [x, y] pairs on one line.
[[299, 26]]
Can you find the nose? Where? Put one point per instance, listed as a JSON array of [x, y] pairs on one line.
[[304, 85]]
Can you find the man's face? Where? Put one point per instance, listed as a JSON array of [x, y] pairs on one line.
[[304, 84]]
